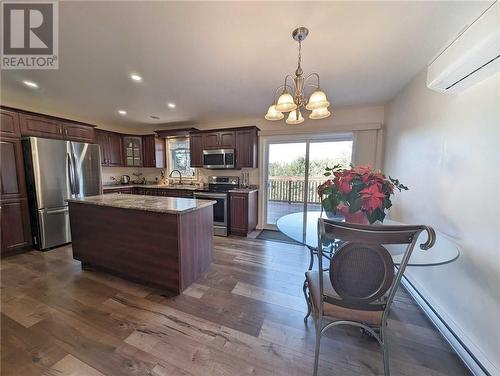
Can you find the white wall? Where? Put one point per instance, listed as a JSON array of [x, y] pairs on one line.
[[446, 149]]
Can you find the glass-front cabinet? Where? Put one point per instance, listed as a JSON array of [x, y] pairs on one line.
[[133, 151]]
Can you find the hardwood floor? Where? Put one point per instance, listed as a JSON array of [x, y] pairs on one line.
[[243, 318]]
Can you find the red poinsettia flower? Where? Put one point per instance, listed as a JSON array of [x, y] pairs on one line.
[[362, 170], [372, 197], [342, 181]]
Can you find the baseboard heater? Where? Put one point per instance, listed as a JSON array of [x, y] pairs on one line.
[[449, 335]]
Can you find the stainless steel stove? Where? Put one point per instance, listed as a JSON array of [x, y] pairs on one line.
[[218, 188]]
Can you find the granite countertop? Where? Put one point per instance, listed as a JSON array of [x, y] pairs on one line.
[[244, 190], [153, 186], [169, 205]]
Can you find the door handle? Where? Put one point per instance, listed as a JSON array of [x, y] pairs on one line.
[[75, 173], [57, 211], [70, 174]]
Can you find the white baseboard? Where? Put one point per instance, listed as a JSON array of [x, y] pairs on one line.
[[463, 352]]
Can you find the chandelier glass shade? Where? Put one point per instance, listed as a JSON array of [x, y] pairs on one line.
[[273, 114], [295, 117], [293, 98]]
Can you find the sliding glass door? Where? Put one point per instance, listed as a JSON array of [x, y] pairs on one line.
[[294, 168]]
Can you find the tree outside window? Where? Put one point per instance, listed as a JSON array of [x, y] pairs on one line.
[[179, 157]]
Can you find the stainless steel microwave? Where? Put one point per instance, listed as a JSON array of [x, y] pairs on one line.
[[218, 159]]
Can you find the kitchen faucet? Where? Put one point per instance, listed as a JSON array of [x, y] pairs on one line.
[[180, 175]]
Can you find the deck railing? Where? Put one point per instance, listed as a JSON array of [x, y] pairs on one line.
[[291, 189]]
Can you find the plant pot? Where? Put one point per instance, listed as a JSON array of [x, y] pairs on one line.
[[357, 217]]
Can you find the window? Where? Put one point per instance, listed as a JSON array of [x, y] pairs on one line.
[[179, 157]]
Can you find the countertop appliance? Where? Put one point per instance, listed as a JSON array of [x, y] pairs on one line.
[[219, 159], [55, 171], [218, 187], [125, 179]]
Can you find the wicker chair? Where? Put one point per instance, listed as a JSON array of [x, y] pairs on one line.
[[359, 285]]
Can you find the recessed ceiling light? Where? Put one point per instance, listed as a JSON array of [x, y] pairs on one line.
[[171, 105], [122, 112], [31, 84], [136, 77], [155, 117]]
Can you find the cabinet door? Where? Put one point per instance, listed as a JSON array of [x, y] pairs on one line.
[[40, 126], [239, 213], [102, 139], [211, 140], [15, 229], [246, 148], [78, 132], [160, 152], [196, 150], [133, 151], [226, 140], [115, 150], [148, 151], [12, 183], [9, 123]]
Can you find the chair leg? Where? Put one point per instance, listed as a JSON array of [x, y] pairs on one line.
[[385, 349], [304, 288], [316, 350]]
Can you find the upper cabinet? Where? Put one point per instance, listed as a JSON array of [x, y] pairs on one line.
[[196, 149], [247, 148], [111, 148], [78, 132], [48, 127], [153, 151], [243, 140], [133, 151], [218, 140], [40, 126], [9, 124]]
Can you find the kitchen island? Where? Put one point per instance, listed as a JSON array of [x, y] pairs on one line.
[[164, 242]]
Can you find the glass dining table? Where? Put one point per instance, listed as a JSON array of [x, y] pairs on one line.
[[303, 228]]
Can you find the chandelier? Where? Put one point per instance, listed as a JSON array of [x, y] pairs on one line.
[[293, 98]]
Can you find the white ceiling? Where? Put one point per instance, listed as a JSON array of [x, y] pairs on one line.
[[220, 61]]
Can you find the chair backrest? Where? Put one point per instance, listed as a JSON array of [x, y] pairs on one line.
[[361, 270]]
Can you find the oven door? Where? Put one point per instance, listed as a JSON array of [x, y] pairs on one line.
[[220, 210]]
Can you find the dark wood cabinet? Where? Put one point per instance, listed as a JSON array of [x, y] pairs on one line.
[[15, 227], [243, 140], [111, 147], [246, 148], [211, 140], [153, 151], [40, 126], [226, 140], [218, 140], [78, 132], [148, 151], [243, 212], [12, 180], [14, 215], [9, 124], [196, 149]]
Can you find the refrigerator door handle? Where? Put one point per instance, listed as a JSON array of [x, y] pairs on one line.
[[56, 211], [71, 174], [76, 177]]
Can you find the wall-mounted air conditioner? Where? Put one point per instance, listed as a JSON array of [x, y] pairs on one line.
[[470, 58]]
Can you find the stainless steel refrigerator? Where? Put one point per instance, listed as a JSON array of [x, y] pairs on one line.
[[55, 171]]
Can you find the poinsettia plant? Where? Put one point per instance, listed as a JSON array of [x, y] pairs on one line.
[[358, 189]]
